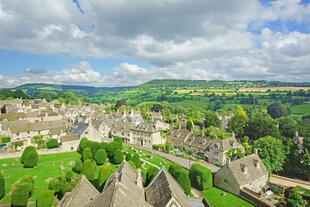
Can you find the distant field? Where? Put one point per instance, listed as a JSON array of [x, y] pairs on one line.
[[302, 109], [273, 89]]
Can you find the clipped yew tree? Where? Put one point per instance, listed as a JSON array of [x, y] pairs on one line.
[[132, 164], [128, 156], [151, 173], [77, 166], [31, 159], [27, 150], [2, 185], [137, 161], [183, 180], [46, 199], [22, 191], [200, 177], [104, 174], [89, 169], [118, 157], [100, 157], [87, 154], [52, 143]]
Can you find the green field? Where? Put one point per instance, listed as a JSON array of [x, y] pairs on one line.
[[303, 109], [219, 198], [48, 166]]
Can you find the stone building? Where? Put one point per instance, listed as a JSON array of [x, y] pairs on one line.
[[146, 135]]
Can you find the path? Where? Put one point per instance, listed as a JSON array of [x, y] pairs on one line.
[[289, 182]]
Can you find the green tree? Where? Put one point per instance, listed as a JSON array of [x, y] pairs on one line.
[[272, 152], [20, 195], [132, 164], [118, 157], [100, 157], [31, 159], [276, 110], [46, 198], [83, 144], [87, 154], [200, 177], [104, 173], [52, 143], [2, 185], [137, 161], [69, 175], [296, 200], [174, 168], [128, 156], [77, 166], [26, 151], [238, 121], [211, 119], [183, 179], [151, 173], [89, 169], [287, 126]]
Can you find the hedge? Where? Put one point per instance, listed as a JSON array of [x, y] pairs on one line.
[[31, 159], [26, 151], [174, 168], [137, 161], [89, 169], [200, 177], [46, 199], [77, 166], [2, 185], [52, 143], [118, 157], [87, 154], [104, 173], [100, 157], [151, 173], [183, 179]]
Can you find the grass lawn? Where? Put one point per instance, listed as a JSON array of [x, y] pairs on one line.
[[216, 198], [49, 166], [302, 109]]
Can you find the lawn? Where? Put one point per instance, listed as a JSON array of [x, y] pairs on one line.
[[302, 109], [49, 166], [218, 198]]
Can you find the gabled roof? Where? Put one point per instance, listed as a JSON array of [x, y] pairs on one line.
[[162, 189], [226, 144], [81, 195], [79, 128]]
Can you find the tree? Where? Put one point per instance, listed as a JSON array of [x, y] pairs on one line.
[[77, 166], [296, 200], [211, 119], [69, 175], [200, 177], [46, 198], [183, 179], [26, 151], [276, 110], [119, 103], [272, 152], [261, 125], [104, 173], [2, 185], [31, 159], [100, 157], [151, 173], [83, 144], [87, 154], [22, 191], [52, 143], [137, 161], [132, 164], [118, 142], [128, 156], [238, 121], [118, 157], [110, 148], [89, 169], [287, 126]]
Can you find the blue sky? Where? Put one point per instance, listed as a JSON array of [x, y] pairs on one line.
[[108, 43]]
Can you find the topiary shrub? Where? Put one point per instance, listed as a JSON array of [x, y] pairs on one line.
[[89, 169], [22, 191], [83, 144], [132, 164], [60, 186], [2, 185], [100, 157], [26, 151], [110, 148], [118, 142], [174, 168], [183, 180], [46, 199], [128, 156], [104, 173], [87, 154], [69, 175], [31, 159], [52, 143], [151, 173], [137, 161], [118, 157], [200, 177], [77, 166]]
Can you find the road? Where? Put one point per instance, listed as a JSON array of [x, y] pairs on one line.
[[289, 182]]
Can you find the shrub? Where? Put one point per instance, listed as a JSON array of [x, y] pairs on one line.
[[69, 175], [88, 169], [132, 164], [52, 143], [137, 161], [183, 179], [200, 177], [59, 186], [151, 173], [2, 185], [5, 139], [20, 195], [77, 166], [110, 148], [119, 142], [100, 157], [87, 154], [29, 180], [104, 174], [83, 144], [26, 151], [174, 168], [46, 199], [118, 157], [128, 156], [31, 159]]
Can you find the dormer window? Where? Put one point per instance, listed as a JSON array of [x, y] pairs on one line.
[[244, 168], [215, 146], [256, 164]]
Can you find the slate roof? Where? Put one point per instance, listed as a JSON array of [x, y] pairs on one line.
[[162, 189], [79, 129], [54, 126], [146, 128], [82, 194]]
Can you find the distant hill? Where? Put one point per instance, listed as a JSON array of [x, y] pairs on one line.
[[32, 88]]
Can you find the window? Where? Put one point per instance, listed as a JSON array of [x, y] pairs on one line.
[[225, 181]]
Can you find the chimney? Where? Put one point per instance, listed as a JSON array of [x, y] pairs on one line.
[[228, 162], [256, 151], [139, 181], [296, 133]]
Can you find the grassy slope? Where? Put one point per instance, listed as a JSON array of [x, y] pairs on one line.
[[303, 109]]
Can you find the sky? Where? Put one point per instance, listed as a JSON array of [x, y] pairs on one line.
[[129, 42]]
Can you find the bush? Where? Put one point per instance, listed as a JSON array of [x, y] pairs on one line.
[[26, 151], [137, 161], [200, 177], [151, 173], [104, 173], [128, 156], [183, 179], [100, 157], [59, 186], [174, 168], [89, 169], [5, 139], [2, 185], [87, 154], [31, 159], [118, 157], [119, 142], [28, 179], [52, 143], [20, 195], [46, 198], [69, 175], [110, 148], [83, 144], [132, 164], [77, 166]]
